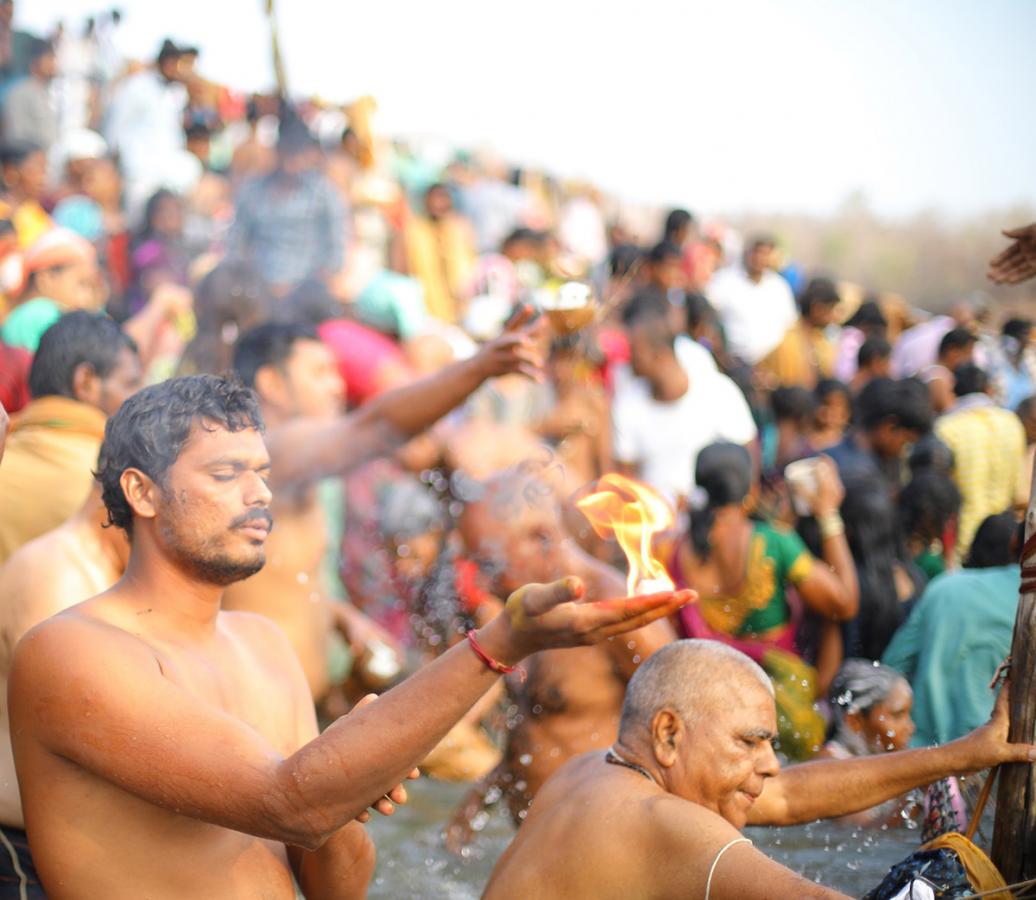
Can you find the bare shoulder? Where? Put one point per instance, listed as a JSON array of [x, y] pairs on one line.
[[76, 646]]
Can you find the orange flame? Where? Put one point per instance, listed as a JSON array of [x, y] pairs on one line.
[[633, 514]]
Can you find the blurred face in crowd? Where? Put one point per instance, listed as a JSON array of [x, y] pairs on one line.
[[647, 358], [821, 315], [880, 367], [958, 356], [760, 258], [307, 385], [297, 161], [415, 555], [890, 439], [169, 68], [45, 66], [115, 388], [438, 203], [167, 217], [833, 412], [102, 183], [73, 286], [667, 273], [515, 536], [887, 725], [27, 180]]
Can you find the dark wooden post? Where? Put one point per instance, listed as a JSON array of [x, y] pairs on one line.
[[1014, 836]]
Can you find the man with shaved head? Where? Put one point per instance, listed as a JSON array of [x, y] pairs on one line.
[[659, 814]]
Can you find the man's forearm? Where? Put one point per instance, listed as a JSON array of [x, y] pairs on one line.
[[360, 757], [411, 409], [829, 788]]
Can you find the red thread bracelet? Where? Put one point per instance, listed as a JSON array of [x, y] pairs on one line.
[[490, 663]]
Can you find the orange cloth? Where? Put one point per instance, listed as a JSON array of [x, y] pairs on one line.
[[47, 471]]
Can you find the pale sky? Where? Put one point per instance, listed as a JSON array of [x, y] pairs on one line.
[[720, 106]]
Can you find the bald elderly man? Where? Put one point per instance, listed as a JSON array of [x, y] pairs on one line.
[[659, 814]]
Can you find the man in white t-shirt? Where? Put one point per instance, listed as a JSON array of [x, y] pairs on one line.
[[667, 413], [754, 303]]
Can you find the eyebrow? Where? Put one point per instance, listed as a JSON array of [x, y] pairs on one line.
[[236, 464], [759, 734]]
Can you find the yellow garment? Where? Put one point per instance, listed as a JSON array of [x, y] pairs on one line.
[[442, 258], [47, 471], [30, 221], [465, 754], [802, 358], [988, 445], [800, 726], [982, 874]]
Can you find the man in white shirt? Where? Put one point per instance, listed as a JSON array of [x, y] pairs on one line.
[[144, 126], [666, 414], [754, 303]]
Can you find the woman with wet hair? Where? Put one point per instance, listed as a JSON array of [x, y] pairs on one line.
[[889, 582], [750, 576]]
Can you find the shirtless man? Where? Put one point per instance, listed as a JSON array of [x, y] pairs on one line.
[[694, 764], [570, 702], [301, 397], [167, 749]]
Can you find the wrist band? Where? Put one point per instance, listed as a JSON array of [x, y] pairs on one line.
[[831, 525], [491, 663]]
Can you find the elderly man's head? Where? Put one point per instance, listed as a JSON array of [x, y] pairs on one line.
[[703, 714], [514, 529]]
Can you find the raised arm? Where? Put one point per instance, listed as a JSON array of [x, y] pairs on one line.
[[82, 690], [828, 788], [306, 450]]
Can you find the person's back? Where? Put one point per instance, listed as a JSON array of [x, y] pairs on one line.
[[951, 646], [988, 445]]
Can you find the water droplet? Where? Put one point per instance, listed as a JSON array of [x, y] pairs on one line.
[[525, 759]]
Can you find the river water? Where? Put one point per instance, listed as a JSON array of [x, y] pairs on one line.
[[413, 863]]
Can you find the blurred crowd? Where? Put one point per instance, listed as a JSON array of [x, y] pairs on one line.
[[846, 473]]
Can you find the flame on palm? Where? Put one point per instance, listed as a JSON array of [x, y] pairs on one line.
[[633, 514]]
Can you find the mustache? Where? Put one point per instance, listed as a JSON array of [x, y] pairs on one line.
[[253, 515]]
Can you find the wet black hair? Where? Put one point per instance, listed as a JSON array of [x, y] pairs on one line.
[[151, 428], [724, 472], [269, 344], [818, 292], [996, 543], [793, 403], [969, 379], [930, 454], [522, 234], [927, 503], [905, 402], [873, 348], [955, 339], [1026, 407], [875, 544], [75, 339]]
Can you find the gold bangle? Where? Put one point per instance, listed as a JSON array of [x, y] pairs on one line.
[[831, 525]]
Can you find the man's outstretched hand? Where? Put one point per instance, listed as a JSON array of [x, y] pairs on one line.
[[548, 616], [988, 746], [1018, 262], [516, 350]]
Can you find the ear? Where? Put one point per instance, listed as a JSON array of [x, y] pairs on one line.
[[855, 722], [272, 386], [86, 384], [667, 734], [142, 494]]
